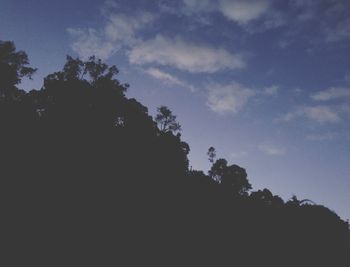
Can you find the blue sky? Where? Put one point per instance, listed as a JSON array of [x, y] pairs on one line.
[[266, 82]]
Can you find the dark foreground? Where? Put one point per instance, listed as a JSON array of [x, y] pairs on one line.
[[88, 178]]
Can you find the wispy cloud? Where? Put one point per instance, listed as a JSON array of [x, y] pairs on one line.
[[328, 112], [239, 154], [167, 78], [344, 108], [271, 90], [272, 150], [230, 98], [320, 114], [243, 11], [339, 32], [89, 42], [347, 77], [322, 136], [239, 11], [184, 55], [123, 28], [332, 93], [119, 31], [199, 5]]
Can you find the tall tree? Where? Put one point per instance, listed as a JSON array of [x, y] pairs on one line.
[[167, 121], [13, 67], [218, 169], [211, 154]]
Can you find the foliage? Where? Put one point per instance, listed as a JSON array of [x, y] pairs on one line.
[[13, 67], [211, 154], [167, 121]]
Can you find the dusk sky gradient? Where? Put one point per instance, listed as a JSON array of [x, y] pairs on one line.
[[266, 82]]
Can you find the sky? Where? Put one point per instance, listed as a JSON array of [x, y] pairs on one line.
[[265, 82]]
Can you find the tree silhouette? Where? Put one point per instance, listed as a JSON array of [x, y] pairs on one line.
[[13, 67], [235, 178], [265, 197], [294, 201], [218, 169], [232, 177], [167, 121], [211, 154], [86, 173]]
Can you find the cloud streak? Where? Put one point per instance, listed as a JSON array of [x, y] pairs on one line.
[[271, 90], [339, 32], [320, 114], [272, 150], [229, 98], [243, 11], [328, 136], [184, 55], [88, 42], [232, 97], [239, 11], [331, 94], [167, 78], [119, 31]]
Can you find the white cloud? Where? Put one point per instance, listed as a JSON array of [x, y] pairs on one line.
[[320, 114], [272, 150], [243, 11], [231, 98], [228, 98], [345, 108], [120, 30], [283, 44], [339, 32], [88, 42], [332, 93], [239, 154], [184, 56], [167, 78], [199, 5], [322, 136], [108, 7], [271, 90], [347, 77], [274, 19], [163, 76], [325, 113]]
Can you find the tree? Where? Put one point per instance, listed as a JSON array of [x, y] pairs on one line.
[[13, 67], [167, 121], [218, 169], [266, 198], [295, 202], [211, 154], [235, 179], [93, 71], [231, 177]]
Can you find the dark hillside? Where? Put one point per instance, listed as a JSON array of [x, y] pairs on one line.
[[89, 178]]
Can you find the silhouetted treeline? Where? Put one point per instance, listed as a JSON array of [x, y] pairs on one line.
[[89, 178]]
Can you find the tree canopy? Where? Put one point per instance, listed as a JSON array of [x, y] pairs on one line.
[[166, 120], [13, 67]]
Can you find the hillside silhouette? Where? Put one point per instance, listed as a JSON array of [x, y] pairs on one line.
[[89, 178]]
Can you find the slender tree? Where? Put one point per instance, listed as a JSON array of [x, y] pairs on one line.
[[167, 121], [211, 154]]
